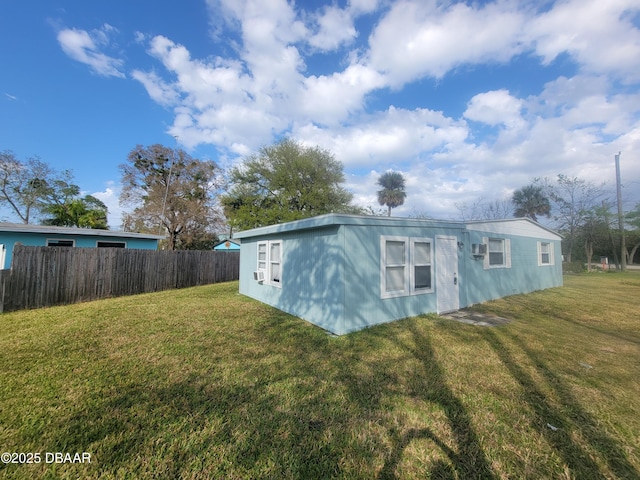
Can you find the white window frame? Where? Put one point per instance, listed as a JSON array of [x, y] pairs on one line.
[[98, 242], [506, 253], [259, 267], [272, 262], [384, 266], [267, 265], [56, 240], [408, 264], [549, 252], [414, 264]]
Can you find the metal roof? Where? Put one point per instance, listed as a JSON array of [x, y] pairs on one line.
[[330, 219], [49, 230]]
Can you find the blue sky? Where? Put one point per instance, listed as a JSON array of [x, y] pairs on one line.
[[469, 100]]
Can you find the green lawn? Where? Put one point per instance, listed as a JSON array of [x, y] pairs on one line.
[[205, 383]]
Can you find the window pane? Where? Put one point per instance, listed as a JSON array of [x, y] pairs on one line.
[[495, 245], [395, 253], [59, 243], [544, 247], [423, 277], [275, 252], [496, 258], [394, 279], [545, 258], [422, 253], [275, 272]]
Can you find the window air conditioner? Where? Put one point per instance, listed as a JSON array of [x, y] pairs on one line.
[[479, 249], [259, 276]]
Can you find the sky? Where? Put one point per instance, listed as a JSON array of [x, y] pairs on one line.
[[468, 100]]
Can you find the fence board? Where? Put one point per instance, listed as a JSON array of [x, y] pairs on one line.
[[46, 276]]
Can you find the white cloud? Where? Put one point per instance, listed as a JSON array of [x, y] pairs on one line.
[[494, 108], [160, 92], [600, 35], [332, 99], [396, 135], [335, 27], [416, 39], [84, 47], [110, 197], [501, 140]]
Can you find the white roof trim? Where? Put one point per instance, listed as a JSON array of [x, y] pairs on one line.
[[519, 227]]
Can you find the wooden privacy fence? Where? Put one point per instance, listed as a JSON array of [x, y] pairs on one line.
[[46, 276]]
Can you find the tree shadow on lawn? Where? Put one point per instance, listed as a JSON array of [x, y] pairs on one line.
[[428, 384], [575, 421], [275, 416]]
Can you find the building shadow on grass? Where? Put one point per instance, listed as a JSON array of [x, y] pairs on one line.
[[569, 420]]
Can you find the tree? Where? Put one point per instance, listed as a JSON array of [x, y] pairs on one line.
[[23, 185], [531, 201], [393, 190], [284, 182], [32, 188], [170, 192], [594, 231], [485, 210], [573, 199], [84, 212], [633, 219]]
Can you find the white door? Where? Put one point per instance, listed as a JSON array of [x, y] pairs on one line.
[[447, 291]]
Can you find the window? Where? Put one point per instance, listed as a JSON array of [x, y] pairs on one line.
[[545, 254], [498, 253], [395, 265], [262, 256], [405, 266], [421, 250], [274, 262], [101, 244], [270, 261], [60, 243]]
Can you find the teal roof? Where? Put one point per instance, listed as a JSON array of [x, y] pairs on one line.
[[332, 219]]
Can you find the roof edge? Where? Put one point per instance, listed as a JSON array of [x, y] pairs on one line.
[[52, 230]]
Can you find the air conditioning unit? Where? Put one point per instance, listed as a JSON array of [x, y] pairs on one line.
[[259, 276], [479, 249]]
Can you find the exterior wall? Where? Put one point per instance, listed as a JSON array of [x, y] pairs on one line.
[[525, 275], [222, 247], [331, 267], [312, 275], [32, 239], [365, 306]]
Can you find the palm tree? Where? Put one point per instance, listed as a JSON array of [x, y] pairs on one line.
[[392, 194], [531, 201]]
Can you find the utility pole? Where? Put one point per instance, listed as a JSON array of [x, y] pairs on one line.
[[623, 246]]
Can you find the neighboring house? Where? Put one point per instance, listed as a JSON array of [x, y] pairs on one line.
[[347, 272], [40, 236], [228, 245]]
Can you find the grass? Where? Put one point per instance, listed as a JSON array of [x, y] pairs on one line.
[[205, 383]]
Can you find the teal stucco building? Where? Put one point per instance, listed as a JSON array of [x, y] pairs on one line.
[[43, 236], [347, 272]]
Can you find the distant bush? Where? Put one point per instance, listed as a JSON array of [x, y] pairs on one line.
[[573, 267]]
